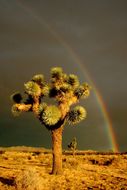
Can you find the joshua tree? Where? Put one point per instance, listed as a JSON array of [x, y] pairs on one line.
[[66, 91], [73, 145]]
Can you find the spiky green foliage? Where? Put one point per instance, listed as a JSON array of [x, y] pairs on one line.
[[16, 97], [51, 115], [86, 89], [76, 115], [65, 89], [59, 90], [39, 79], [42, 107], [73, 80], [82, 91], [32, 88], [56, 73], [45, 90], [79, 91], [73, 144]]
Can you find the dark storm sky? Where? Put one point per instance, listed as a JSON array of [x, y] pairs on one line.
[[35, 35]]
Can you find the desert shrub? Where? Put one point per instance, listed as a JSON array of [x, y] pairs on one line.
[[29, 179], [2, 151], [70, 163], [29, 157], [37, 153], [64, 159], [5, 158], [102, 161]]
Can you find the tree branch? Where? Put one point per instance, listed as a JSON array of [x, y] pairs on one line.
[[23, 107]]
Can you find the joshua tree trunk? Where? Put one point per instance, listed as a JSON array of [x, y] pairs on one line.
[[57, 150]]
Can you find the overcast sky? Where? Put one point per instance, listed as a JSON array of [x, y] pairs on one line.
[[37, 35]]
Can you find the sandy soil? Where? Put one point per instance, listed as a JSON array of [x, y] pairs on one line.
[[29, 169]]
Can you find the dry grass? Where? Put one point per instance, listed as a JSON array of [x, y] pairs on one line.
[[29, 169]]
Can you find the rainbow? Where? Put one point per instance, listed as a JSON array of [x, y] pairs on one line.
[[99, 99], [109, 128]]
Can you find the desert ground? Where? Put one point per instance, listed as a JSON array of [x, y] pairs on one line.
[[27, 168]]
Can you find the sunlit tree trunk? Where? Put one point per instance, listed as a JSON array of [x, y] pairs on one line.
[[57, 150]]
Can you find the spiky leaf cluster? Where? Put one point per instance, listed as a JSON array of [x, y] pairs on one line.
[[76, 115], [42, 107], [56, 73], [39, 79], [79, 92], [86, 89], [45, 90], [62, 85], [32, 88], [59, 90], [82, 91], [66, 90], [51, 115], [73, 80], [73, 144]]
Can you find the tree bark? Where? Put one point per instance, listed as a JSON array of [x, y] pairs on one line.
[[57, 151]]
